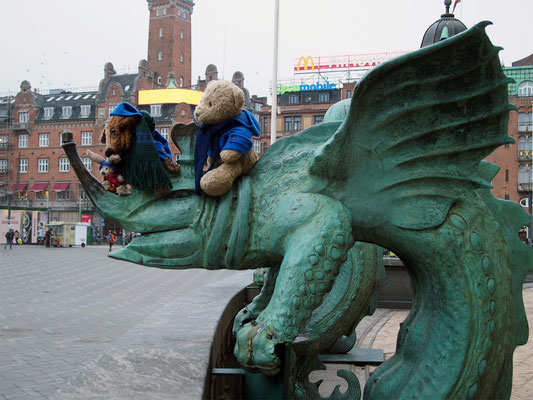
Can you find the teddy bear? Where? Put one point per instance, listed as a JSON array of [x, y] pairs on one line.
[[145, 155], [112, 181], [223, 150]]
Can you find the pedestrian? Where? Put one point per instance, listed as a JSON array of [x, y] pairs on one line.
[[48, 237], [9, 239], [110, 239]]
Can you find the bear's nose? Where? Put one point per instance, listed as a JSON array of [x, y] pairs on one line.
[[109, 152]]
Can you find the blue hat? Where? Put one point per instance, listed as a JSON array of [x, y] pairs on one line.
[[125, 110], [113, 166]]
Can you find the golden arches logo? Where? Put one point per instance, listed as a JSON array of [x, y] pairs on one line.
[[306, 63]]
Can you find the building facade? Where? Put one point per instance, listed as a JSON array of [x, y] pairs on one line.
[[36, 181], [514, 180]]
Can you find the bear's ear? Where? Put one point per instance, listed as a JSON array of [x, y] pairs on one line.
[[238, 96], [102, 136]]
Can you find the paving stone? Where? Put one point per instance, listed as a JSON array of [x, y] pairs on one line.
[[61, 308]]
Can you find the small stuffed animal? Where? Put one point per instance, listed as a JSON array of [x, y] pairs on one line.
[[112, 180], [145, 154], [223, 149]]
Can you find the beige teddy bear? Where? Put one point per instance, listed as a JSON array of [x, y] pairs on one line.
[[223, 149]]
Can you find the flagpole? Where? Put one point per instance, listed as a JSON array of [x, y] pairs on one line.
[[274, 76]]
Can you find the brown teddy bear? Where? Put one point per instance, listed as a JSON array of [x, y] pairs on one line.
[[144, 154], [223, 149]]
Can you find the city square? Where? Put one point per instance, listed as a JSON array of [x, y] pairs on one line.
[[354, 223]]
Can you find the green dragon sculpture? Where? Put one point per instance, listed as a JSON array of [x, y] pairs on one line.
[[403, 170]]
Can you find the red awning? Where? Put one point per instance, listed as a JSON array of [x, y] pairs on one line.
[[39, 187], [20, 188], [60, 186]]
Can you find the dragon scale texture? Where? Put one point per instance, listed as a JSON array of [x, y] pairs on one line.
[[403, 170]]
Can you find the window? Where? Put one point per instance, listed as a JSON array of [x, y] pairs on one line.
[[524, 174], [181, 81], [159, 80], [182, 13], [3, 141], [86, 138], [297, 123], [44, 139], [48, 112], [85, 110], [181, 58], [42, 165], [112, 106], [23, 140], [524, 121], [348, 94], [24, 116], [66, 112], [257, 106], [23, 165], [41, 195], [318, 119], [182, 35], [323, 97], [87, 162], [3, 166], [288, 124], [257, 146], [155, 110], [265, 124], [294, 99], [161, 11], [64, 195], [164, 132], [159, 55], [64, 164], [160, 32], [525, 89], [506, 175]]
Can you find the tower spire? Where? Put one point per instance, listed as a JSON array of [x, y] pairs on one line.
[[447, 4]]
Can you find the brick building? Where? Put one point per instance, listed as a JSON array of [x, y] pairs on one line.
[[514, 180], [36, 181]]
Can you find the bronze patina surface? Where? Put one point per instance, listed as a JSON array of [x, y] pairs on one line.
[[404, 171]]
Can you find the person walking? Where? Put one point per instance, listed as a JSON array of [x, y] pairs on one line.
[[48, 237], [9, 239], [110, 239]]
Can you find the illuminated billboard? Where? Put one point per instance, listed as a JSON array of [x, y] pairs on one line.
[[343, 62], [169, 96]]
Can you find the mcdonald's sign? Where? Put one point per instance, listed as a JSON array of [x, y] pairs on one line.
[[306, 62]]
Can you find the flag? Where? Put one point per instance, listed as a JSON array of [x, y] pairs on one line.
[[455, 4]]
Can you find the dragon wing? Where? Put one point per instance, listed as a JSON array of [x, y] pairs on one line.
[[417, 129]]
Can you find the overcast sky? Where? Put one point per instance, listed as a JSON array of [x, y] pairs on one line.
[[65, 43]]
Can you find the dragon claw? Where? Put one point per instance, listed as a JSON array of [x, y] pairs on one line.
[[255, 348]]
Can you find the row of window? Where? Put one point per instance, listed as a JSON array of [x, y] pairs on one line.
[[293, 123], [323, 97], [66, 112], [43, 164], [182, 34], [44, 139], [43, 195]]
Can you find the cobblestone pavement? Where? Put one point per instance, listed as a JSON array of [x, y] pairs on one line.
[[61, 307]]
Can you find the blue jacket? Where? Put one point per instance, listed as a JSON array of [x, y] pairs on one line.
[[233, 134]]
